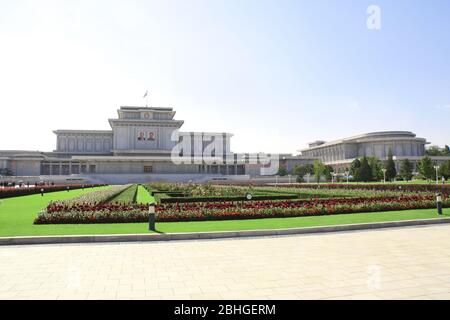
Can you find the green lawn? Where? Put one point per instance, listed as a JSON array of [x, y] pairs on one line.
[[17, 215], [126, 196], [143, 196]]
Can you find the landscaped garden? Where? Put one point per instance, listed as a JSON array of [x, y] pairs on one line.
[[195, 202], [191, 207]]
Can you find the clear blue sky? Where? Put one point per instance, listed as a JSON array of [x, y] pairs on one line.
[[277, 74]]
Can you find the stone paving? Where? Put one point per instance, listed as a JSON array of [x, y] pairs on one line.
[[402, 263]]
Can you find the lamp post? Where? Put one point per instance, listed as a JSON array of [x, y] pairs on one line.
[[307, 177], [276, 180], [439, 203], [437, 174], [347, 174], [384, 175], [333, 175], [289, 178], [151, 217]]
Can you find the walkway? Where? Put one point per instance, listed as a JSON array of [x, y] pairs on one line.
[[387, 264]]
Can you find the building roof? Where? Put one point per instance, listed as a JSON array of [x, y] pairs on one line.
[[156, 109], [372, 136], [64, 131]]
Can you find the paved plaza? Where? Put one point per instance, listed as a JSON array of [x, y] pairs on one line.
[[398, 263]]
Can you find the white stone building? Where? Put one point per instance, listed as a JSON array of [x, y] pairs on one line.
[[341, 153], [144, 144]]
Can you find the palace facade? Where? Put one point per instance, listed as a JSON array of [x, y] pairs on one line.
[[144, 144]]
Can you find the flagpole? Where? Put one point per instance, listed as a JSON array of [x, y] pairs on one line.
[[146, 98]]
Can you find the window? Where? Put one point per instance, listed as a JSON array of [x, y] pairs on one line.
[[148, 169], [75, 168]]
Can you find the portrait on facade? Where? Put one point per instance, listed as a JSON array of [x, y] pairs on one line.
[[141, 136], [146, 136]]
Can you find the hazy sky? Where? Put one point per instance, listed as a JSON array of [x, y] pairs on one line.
[[277, 74]]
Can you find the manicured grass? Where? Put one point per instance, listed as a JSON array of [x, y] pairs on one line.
[[144, 197], [299, 222], [126, 196], [17, 215]]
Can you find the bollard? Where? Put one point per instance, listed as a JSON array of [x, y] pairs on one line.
[[42, 192], [439, 203], [151, 218]]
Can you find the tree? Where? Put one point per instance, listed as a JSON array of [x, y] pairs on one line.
[[426, 168], [327, 170], [433, 151], [354, 169], [301, 170], [445, 169], [391, 172], [377, 166], [282, 171], [406, 169], [319, 169], [365, 172]]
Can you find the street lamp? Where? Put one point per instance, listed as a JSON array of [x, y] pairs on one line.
[[151, 217], [332, 176], [437, 174], [289, 178], [439, 203], [347, 174], [384, 175], [307, 177]]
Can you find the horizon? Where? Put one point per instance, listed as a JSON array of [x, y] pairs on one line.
[[277, 76]]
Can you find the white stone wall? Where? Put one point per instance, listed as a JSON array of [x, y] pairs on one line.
[[26, 167], [84, 142], [136, 167], [4, 164]]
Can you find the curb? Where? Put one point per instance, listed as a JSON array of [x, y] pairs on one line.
[[5, 241]]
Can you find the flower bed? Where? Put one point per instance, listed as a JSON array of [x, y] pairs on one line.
[[271, 209], [178, 192], [312, 192], [392, 187], [92, 213], [17, 192], [200, 211], [95, 197]]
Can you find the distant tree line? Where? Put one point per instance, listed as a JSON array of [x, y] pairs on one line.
[[368, 169], [435, 151]]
